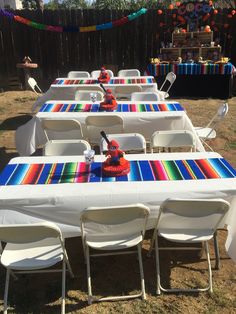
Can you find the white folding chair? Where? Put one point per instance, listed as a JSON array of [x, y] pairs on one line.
[[168, 82], [145, 96], [95, 74], [113, 228], [75, 74], [208, 132], [125, 91], [109, 123], [62, 129], [32, 248], [134, 142], [34, 86], [188, 221], [65, 147], [129, 72], [172, 138], [89, 95]]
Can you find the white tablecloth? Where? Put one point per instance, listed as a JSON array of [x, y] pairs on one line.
[[30, 135], [63, 203], [67, 92]]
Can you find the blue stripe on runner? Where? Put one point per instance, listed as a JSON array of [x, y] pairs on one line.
[[63, 108], [95, 107], [156, 108], [146, 170], [96, 172], [19, 174], [7, 173], [125, 108], [134, 174], [228, 166], [196, 170], [148, 107], [183, 170], [178, 107], [220, 168], [44, 106], [72, 108], [56, 176], [45, 173]]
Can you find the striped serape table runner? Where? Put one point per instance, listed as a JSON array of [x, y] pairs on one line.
[[76, 107], [141, 80], [140, 170], [190, 69]]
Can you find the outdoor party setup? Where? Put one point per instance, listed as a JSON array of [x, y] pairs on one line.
[[107, 155]]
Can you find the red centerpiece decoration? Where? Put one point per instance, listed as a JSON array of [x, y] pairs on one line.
[[115, 165], [104, 76], [109, 102]]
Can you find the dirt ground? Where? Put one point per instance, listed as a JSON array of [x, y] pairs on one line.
[[114, 275]]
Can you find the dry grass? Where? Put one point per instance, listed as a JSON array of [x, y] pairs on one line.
[[41, 293]]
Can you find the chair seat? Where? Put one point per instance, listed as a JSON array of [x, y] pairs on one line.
[[205, 132], [110, 243], [30, 256], [190, 235], [163, 95]]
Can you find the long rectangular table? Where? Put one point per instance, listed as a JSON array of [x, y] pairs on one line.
[[58, 188], [196, 80], [65, 88], [139, 117]]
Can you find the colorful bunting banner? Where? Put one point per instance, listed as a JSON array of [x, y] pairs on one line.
[[61, 29]]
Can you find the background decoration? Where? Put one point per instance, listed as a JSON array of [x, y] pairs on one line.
[[61, 29]]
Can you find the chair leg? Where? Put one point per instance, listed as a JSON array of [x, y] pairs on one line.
[[157, 266], [6, 291], [217, 253], [209, 266], [63, 287], [88, 276], [141, 271]]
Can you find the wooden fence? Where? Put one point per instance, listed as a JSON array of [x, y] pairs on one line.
[[127, 46]]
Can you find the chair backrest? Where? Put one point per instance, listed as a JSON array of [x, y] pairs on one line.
[[75, 74], [182, 214], [173, 138], [125, 91], [115, 221], [220, 114], [34, 86], [88, 95], [58, 129], [170, 78], [145, 96], [26, 233], [96, 73], [127, 141], [129, 72], [65, 147], [108, 123]]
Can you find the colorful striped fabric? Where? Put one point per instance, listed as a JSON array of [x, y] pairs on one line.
[[142, 170], [140, 80], [190, 69], [95, 107]]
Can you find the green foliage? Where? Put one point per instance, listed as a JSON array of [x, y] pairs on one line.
[[29, 4]]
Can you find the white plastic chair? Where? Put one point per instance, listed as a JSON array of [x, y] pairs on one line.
[[145, 96], [188, 221], [114, 228], [75, 74], [32, 248], [172, 138], [89, 95], [95, 74], [129, 72], [125, 91], [58, 129], [209, 132], [108, 123], [65, 147], [34, 86], [127, 141], [169, 80]]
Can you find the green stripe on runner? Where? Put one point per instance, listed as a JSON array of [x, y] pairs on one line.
[[172, 170], [68, 174]]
